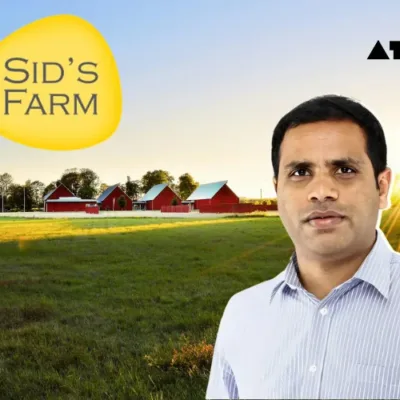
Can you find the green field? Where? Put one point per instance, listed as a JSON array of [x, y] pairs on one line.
[[124, 308]]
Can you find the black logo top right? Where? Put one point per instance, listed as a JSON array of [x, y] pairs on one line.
[[379, 53]]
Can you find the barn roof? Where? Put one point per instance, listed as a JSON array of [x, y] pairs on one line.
[[106, 193], [154, 192], [207, 191], [52, 191]]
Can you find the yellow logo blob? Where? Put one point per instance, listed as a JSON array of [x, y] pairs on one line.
[[59, 85]]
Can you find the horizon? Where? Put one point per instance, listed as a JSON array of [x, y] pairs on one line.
[[122, 184]]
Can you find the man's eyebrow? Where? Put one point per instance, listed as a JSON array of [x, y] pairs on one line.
[[337, 162]]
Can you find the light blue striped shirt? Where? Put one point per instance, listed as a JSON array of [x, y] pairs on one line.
[[275, 340]]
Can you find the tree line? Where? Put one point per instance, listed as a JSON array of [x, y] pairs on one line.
[[86, 184]]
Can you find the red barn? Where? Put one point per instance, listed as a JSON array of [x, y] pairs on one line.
[[59, 191], [158, 196], [108, 200], [212, 194], [61, 199]]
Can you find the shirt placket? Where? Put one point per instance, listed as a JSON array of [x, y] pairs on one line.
[[317, 346]]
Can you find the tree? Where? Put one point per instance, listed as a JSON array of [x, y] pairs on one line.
[[27, 196], [132, 188], [88, 184], [87, 192], [20, 195], [5, 182], [186, 185], [83, 183], [122, 202], [103, 187], [51, 186], [155, 177], [37, 188], [174, 201], [71, 179]]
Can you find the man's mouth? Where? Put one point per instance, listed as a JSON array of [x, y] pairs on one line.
[[324, 219], [325, 222]]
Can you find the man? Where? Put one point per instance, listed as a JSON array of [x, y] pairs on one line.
[[328, 326]]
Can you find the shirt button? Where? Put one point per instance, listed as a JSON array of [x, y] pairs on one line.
[[324, 311], [313, 368]]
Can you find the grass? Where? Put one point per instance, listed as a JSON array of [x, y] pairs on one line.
[[124, 308]]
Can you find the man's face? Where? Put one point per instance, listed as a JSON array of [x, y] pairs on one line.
[[324, 167]]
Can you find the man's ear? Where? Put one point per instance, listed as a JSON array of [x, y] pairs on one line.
[[385, 190]]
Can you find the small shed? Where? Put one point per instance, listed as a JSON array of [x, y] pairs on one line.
[[212, 194], [158, 196], [109, 199]]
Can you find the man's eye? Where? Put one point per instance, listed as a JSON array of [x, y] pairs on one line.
[[346, 170], [299, 172]]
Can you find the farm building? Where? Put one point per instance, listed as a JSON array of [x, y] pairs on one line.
[[158, 196], [61, 199], [212, 194], [109, 199], [60, 191]]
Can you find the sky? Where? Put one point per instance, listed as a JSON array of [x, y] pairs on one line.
[[205, 82]]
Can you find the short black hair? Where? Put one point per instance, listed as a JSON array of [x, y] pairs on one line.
[[334, 108]]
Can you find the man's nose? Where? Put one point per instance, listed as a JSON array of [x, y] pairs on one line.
[[323, 189]]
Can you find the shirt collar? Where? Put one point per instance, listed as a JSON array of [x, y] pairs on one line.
[[375, 269]]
